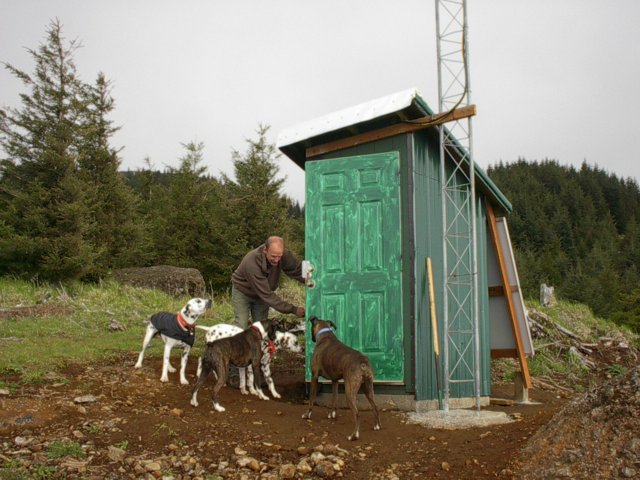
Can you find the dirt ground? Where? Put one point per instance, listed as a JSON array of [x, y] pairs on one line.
[[138, 427]]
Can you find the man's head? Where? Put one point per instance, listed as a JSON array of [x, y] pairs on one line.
[[274, 249]]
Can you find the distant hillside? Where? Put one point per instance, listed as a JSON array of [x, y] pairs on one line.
[[578, 230]]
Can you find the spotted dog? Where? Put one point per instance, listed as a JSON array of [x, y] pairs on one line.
[[284, 340], [176, 330], [242, 349]]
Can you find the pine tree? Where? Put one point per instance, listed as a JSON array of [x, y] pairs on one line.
[[42, 205], [118, 235], [189, 219], [255, 194]]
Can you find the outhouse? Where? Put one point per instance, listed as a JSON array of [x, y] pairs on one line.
[[373, 215]]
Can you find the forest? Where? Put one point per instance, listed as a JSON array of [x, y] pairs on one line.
[[67, 212]]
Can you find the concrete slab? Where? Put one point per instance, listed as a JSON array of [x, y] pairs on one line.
[[458, 419]]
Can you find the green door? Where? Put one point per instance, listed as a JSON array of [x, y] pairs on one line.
[[353, 242]]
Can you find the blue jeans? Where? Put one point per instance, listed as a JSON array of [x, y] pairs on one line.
[[243, 306]]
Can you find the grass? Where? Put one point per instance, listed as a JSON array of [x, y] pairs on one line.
[[73, 322], [60, 449], [551, 361]]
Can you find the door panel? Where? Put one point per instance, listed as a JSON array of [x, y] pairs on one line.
[[353, 241]]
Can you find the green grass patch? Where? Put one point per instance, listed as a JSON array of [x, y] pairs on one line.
[[60, 449]]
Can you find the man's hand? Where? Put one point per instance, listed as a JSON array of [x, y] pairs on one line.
[[299, 312]]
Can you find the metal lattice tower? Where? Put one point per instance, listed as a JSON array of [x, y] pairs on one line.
[[457, 173]]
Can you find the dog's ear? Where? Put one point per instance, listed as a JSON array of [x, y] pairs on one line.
[[333, 325], [313, 319]]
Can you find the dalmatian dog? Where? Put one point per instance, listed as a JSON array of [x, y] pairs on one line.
[[176, 330], [284, 340]]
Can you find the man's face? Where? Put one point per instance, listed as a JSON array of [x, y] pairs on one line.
[[274, 253]]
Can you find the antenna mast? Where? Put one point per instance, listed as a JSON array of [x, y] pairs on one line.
[[457, 174]]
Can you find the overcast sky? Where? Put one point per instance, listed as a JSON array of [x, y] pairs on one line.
[[551, 79]]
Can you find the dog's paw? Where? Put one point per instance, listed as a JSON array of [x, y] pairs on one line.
[[218, 408], [184, 381], [276, 394], [164, 379], [171, 369], [244, 391], [332, 414], [194, 402], [138, 365], [262, 396], [307, 415], [353, 436], [376, 427]]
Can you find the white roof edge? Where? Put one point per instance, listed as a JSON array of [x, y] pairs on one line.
[[348, 116]]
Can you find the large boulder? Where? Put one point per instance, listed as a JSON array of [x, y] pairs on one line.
[[175, 281]]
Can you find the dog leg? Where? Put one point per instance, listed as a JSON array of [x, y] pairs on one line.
[[255, 367], [222, 370], [148, 336], [334, 399], [199, 367], [183, 365], [166, 366], [266, 371], [368, 392], [242, 373], [202, 377], [312, 395], [350, 395]]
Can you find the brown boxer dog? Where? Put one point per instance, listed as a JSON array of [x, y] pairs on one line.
[[334, 360]]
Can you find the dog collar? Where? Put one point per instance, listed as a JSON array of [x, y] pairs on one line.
[[258, 329], [324, 330], [272, 349], [183, 323]]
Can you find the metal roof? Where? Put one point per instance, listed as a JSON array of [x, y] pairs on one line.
[[365, 117]]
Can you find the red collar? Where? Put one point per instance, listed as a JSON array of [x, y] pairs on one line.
[[183, 324], [253, 327], [272, 349]]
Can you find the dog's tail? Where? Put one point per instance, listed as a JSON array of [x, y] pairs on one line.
[[203, 327]]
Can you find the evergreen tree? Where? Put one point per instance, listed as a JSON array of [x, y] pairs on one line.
[[189, 220], [257, 203], [43, 213], [117, 234]]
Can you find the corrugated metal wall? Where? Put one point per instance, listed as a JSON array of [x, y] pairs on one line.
[[428, 243]]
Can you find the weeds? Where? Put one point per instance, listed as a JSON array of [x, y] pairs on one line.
[[59, 449]]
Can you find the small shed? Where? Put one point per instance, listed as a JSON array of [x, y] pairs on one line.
[[373, 215]]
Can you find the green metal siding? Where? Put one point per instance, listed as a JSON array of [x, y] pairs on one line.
[[428, 243]]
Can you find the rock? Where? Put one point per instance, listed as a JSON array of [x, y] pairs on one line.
[[303, 466], [85, 399], [153, 467], [445, 466], [324, 469], [175, 281], [4, 392], [287, 471], [115, 454], [547, 298], [22, 441], [248, 462]]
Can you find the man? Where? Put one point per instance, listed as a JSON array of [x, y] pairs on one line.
[[254, 282]]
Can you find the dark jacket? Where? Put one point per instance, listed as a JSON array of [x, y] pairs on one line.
[[257, 278], [167, 324]]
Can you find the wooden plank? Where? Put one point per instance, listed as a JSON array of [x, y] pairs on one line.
[[504, 353], [493, 229], [498, 290], [386, 132]]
